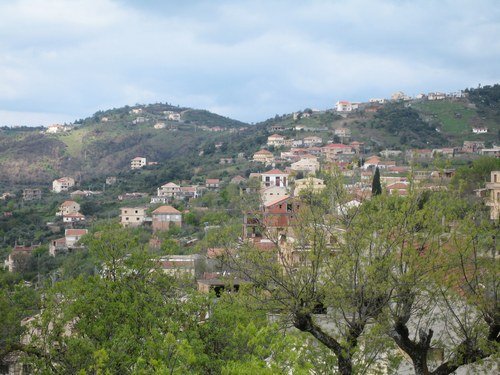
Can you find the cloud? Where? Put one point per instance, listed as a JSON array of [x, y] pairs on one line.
[[249, 59]]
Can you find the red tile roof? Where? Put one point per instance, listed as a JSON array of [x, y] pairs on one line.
[[276, 201], [166, 210], [274, 171], [75, 232]]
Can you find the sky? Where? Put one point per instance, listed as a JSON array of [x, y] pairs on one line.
[[61, 60]]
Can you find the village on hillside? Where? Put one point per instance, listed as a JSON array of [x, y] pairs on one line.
[[260, 194]]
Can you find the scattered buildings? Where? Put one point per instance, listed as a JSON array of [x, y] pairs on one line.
[[56, 128]]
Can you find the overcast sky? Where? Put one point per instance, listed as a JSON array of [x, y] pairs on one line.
[[61, 60]]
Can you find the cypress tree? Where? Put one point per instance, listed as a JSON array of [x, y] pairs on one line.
[[376, 186]]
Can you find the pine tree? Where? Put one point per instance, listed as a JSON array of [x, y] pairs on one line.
[[376, 186]]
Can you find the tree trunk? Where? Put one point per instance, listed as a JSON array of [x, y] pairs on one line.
[[304, 323], [416, 350]]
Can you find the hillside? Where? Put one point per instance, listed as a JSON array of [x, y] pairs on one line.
[[104, 143], [409, 124]]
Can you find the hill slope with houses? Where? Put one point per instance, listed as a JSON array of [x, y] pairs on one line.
[[106, 142]]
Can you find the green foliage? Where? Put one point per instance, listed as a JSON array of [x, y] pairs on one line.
[[376, 185], [486, 96], [17, 301], [406, 123], [474, 176]]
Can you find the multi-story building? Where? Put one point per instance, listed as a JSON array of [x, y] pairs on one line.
[[68, 207], [138, 163], [170, 190], [312, 141], [276, 140], [263, 156], [494, 198], [132, 216], [313, 184], [307, 165], [274, 177], [62, 184], [166, 216]]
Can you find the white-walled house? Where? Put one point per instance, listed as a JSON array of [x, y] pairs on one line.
[[62, 184], [132, 216], [343, 106], [272, 193], [308, 165], [274, 177], [170, 190], [138, 162], [309, 183], [263, 156], [68, 207], [276, 140]]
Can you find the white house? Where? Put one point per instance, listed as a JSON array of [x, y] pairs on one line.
[[263, 156], [479, 130], [68, 207], [274, 177], [312, 141], [174, 116], [73, 218], [138, 162], [56, 128], [308, 165], [272, 193], [62, 184], [169, 190], [309, 183], [276, 140], [343, 106], [72, 236], [377, 100], [436, 96], [159, 125], [132, 216]]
